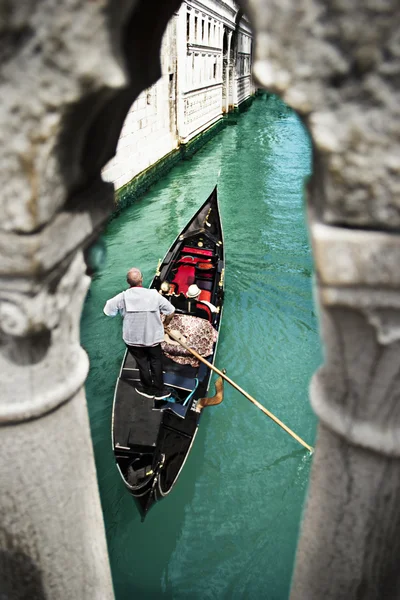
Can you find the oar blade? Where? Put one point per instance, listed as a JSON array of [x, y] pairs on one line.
[[214, 400]]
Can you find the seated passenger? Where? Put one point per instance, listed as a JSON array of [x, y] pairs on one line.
[[193, 294], [167, 289]]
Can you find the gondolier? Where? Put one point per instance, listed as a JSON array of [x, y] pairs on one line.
[[143, 331]]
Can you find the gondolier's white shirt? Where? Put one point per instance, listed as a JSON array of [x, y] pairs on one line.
[[140, 309]]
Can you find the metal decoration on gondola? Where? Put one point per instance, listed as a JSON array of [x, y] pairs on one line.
[[206, 221]]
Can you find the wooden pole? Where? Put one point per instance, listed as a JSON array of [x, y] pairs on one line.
[[175, 335]]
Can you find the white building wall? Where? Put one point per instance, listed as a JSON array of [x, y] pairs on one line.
[[188, 98], [201, 92], [149, 130], [244, 85]]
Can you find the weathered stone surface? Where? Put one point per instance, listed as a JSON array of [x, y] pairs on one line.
[[41, 252], [350, 545], [51, 521], [356, 392], [348, 257], [337, 63], [40, 341], [69, 72], [46, 72]]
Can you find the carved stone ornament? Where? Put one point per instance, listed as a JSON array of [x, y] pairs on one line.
[[356, 392], [39, 336], [69, 73]]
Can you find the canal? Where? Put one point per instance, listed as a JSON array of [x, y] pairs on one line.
[[229, 529]]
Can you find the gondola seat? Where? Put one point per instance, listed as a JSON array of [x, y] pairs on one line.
[[197, 261], [184, 277], [203, 312], [198, 251], [205, 295], [203, 284]]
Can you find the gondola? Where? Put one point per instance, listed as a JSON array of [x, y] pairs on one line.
[[152, 440]]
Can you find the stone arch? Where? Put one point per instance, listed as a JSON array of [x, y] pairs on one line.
[[68, 80]]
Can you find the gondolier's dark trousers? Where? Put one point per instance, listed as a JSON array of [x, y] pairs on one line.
[[149, 362]]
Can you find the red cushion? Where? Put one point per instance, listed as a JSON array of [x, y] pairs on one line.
[[184, 277], [205, 295], [203, 309], [197, 251]]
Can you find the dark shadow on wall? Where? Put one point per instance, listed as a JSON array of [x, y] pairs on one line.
[[92, 127], [20, 578]]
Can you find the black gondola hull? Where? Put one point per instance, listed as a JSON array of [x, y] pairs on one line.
[[151, 443]]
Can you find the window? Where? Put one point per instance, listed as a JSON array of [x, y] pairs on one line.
[[195, 28], [202, 30], [188, 26], [209, 32], [197, 73]]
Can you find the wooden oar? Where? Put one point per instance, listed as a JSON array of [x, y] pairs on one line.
[[214, 400], [175, 335]]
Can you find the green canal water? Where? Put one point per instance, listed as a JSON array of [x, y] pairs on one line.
[[229, 529]]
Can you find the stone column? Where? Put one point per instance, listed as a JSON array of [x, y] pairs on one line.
[[228, 71], [69, 73], [182, 69], [335, 64], [352, 523]]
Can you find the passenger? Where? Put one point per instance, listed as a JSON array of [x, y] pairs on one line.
[[193, 293], [167, 289], [143, 331]]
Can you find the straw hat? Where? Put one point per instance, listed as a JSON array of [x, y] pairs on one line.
[[193, 291]]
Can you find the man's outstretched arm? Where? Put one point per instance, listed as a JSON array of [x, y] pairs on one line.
[[168, 319], [167, 309], [113, 306]]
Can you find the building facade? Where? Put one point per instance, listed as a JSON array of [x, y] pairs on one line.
[[206, 58]]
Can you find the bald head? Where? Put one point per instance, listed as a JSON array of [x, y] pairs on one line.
[[134, 277]]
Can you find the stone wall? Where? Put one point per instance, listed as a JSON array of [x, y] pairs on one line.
[[244, 86], [188, 99]]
